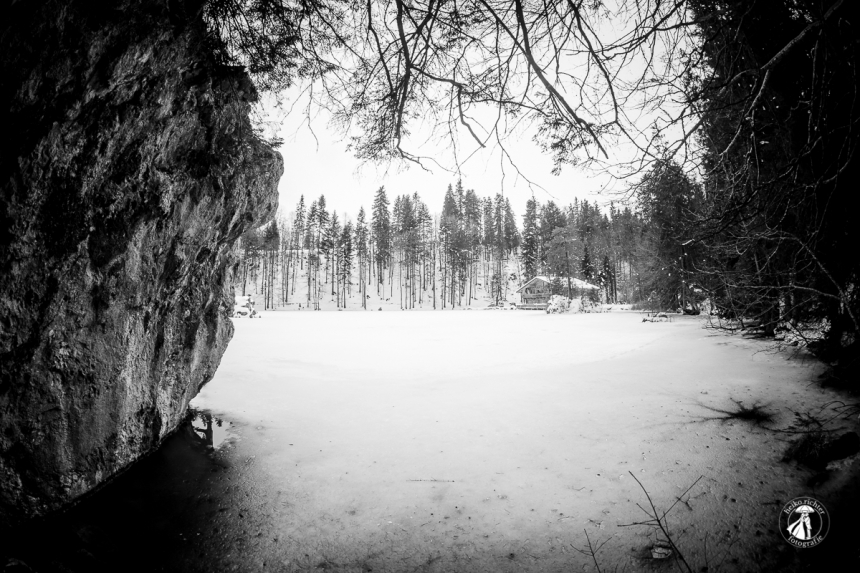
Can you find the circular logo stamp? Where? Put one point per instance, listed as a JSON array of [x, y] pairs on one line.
[[804, 522]]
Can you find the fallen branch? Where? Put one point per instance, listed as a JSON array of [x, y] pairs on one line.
[[591, 551], [657, 520]]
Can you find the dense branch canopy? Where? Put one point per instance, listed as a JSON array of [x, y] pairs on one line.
[[391, 68]]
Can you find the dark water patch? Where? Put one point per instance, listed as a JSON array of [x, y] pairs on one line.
[[213, 432], [153, 517]]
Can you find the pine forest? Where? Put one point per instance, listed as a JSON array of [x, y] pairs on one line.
[[476, 252]]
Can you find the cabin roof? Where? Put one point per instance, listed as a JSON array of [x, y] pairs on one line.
[[576, 283]]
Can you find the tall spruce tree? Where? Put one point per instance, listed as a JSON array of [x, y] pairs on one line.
[[472, 232], [587, 265], [330, 249], [489, 237], [361, 251], [529, 254], [345, 252], [669, 199], [295, 250], [551, 218], [381, 227], [299, 227], [512, 233], [449, 232]]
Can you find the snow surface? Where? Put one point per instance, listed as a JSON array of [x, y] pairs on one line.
[[492, 441]]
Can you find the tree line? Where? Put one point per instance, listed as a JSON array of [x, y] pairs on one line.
[[475, 246]]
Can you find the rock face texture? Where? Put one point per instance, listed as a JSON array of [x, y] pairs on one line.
[[129, 169]]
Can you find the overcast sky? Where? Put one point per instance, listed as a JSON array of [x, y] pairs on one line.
[[317, 162]]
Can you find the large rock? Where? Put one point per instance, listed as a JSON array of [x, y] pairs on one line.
[[129, 169]]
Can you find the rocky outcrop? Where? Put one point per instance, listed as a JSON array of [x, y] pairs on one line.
[[129, 169]]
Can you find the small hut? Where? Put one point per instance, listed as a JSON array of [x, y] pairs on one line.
[[535, 294]]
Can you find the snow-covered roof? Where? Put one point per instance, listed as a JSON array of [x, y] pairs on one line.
[[574, 282], [579, 283]]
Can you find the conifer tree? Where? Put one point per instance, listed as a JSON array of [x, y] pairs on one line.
[[250, 243], [299, 220], [472, 230], [530, 253], [312, 241], [587, 266], [322, 214], [270, 243], [361, 238], [489, 237], [410, 243], [296, 244], [424, 224], [381, 227], [668, 198], [322, 246], [330, 240], [345, 252], [500, 248], [311, 225], [451, 236], [512, 234], [607, 279], [551, 218]]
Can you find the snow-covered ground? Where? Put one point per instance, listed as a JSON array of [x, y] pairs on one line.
[[493, 441]]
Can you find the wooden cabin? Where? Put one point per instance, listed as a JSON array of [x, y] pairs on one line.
[[535, 294]]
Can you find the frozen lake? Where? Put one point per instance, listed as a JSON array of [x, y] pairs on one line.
[[493, 440]]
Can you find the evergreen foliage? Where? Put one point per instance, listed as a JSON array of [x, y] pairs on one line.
[[530, 251], [473, 246], [381, 229]]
